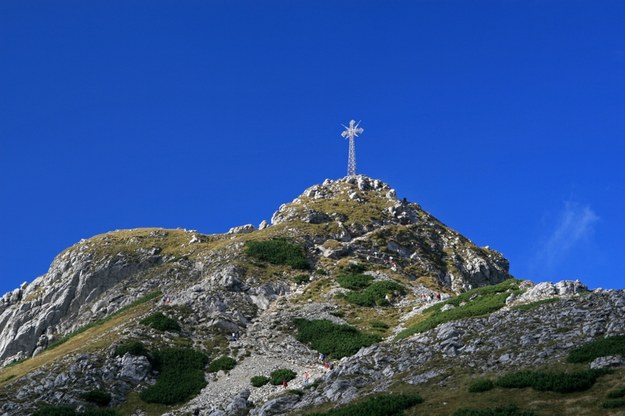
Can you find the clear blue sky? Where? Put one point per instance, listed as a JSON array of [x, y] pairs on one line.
[[504, 119]]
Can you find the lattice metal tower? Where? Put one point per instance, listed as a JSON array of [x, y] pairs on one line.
[[350, 133]]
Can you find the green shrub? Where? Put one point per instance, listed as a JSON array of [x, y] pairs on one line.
[[283, 374], [616, 394], [386, 405], [161, 322], [181, 376], [375, 294], [55, 411], [99, 397], [98, 412], [476, 302], [222, 363], [379, 325], [614, 345], [336, 341], [135, 348], [278, 251], [354, 281], [550, 381], [355, 268], [50, 410], [481, 385], [510, 410], [259, 381], [613, 404], [301, 279]]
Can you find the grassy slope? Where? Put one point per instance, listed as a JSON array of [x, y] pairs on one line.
[[97, 337]]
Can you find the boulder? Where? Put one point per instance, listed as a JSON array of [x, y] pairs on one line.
[[134, 368]]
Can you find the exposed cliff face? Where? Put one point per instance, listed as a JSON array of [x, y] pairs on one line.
[[213, 287]]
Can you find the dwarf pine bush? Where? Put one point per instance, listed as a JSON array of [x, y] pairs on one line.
[[386, 405], [160, 322], [278, 251], [222, 363], [601, 347], [181, 376], [336, 341], [283, 374]]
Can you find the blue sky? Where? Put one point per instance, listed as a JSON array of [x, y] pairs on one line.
[[504, 119]]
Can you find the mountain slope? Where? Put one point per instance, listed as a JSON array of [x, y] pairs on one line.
[[346, 252]]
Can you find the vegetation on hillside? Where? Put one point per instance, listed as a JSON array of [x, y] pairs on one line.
[[222, 364], [385, 405], [333, 340], [476, 302], [131, 347], [559, 382], [277, 377], [510, 410], [49, 410], [601, 347], [98, 397], [278, 251], [376, 294], [181, 376], [146, 298], [160, 322]]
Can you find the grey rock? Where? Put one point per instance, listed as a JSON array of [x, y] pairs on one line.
[[240, 405], [613, 361], [134, 368], [242, 229], [278, 406]]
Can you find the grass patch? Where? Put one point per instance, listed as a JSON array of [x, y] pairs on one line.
[[534, 305], [558, 382], [98, 397], [222, 364], [99, 322], [614, 345], [495, 411], [480, 386], [613, 404], [354, 281], [375, 294], [616, 394], [476, 302], [181, 376], [280, 375], [259, 381], [160, 322], [135, 348], [278, 251], [378, 326], [386, 405], [336, 341]]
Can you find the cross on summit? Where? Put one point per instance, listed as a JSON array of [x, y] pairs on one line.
[[350, 133]]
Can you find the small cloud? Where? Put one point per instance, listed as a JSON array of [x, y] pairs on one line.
[[574, 225]]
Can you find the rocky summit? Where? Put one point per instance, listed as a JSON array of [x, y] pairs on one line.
[[350, 301]]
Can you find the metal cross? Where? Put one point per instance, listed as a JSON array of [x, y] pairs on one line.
[[350, 133]]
